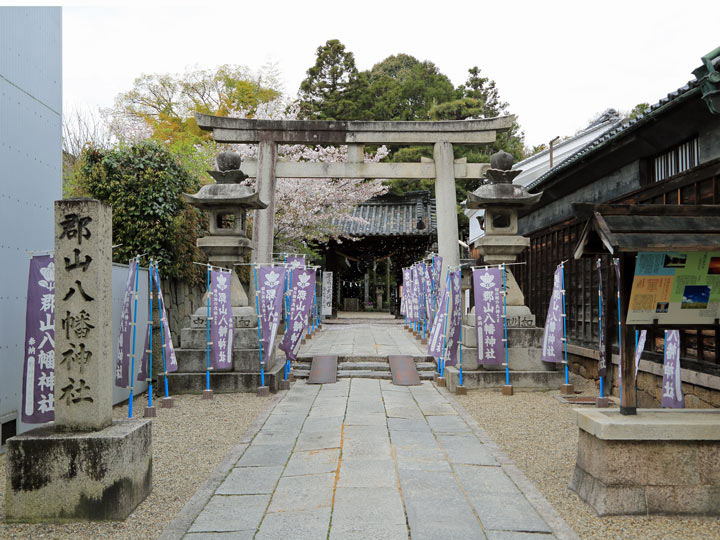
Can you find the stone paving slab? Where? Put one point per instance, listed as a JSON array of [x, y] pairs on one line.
[[221, 513], [366, 460]]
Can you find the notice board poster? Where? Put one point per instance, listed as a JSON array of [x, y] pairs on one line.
[[676, 288]]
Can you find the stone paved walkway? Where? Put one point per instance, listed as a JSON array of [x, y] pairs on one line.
[[363, 341], [364, 459]]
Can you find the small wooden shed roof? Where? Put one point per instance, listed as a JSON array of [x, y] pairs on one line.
[[619, 228]]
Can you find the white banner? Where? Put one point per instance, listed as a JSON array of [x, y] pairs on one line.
[[327, 287]]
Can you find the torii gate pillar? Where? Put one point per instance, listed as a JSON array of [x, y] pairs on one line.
[[445, 200], [263, 222]]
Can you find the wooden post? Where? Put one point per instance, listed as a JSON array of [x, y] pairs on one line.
[[627, 336]]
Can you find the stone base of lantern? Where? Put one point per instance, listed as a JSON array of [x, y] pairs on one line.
[[60, 476], [524, 380], [660, 461]]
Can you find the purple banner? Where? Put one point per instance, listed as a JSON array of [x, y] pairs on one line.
[[410, 302], [38, 390], [639, 346], [437, 332], [552, 338], [489, 324], [602, 360], [142, 373], [271, 281], [122, 358], [436, 272], [295, 261], [221, 322], [405, 289], [417, 292], [301, 298], [170, 359], [672, 396], [453, 333], [427, 291]]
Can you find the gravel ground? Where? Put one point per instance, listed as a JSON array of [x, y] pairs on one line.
[[189, 441], [538, 433]]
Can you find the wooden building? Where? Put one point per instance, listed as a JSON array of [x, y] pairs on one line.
[[380, 237], [669, 155]]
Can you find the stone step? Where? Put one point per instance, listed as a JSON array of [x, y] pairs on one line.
[[224, 382], [196, 338], [195, 360], [381, 366], [368, 358], [365, 374], [519, 358]]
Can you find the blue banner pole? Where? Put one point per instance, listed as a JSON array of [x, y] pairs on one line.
[[207, 333], [161, 309], [149, 329], [460, 354], [602, 390], [564, 319], [257, 310], [505, 340], [132, 356], [619, 310]]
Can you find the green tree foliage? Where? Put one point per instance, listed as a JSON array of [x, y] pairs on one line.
[[161, 107], [143, 183], [329, 89], [401, 87], [638, 110]]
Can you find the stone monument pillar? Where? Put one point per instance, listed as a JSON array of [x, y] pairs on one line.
[[84, 466], [83, 327]]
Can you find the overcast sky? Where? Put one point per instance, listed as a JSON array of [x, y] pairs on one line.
[[557, 63]]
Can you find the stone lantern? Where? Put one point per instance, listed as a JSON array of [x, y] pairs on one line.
[[501, 200], [227, 202]]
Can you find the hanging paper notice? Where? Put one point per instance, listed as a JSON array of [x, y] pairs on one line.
[[221, 322], [552, 338], [489, 324], [38, 391], [672, 396], [675, 288]]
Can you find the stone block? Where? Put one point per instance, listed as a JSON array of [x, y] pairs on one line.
[[608, 500], [195, 360], [196, 338], [224, 382], [529, 380], [84, 369], [62, 476], [683, 499]]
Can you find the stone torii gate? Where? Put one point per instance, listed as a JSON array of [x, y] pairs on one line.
[[443, 168]]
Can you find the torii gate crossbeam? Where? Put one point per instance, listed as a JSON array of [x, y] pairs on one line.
[[443, 167]]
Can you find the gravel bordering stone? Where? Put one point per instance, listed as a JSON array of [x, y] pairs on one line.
[[538, 433], [189, 441]]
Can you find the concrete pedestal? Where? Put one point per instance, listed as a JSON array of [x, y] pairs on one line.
[[150, 412], [567, 390], [61, 476], [507, 390], [207, 394], [461, 391], [263, 391], [166, 403], [527, 380], [284, 385], [440, 381], [660, 461]]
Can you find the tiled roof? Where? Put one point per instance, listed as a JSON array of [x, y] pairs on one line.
[[672, 99], [393, 216]]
